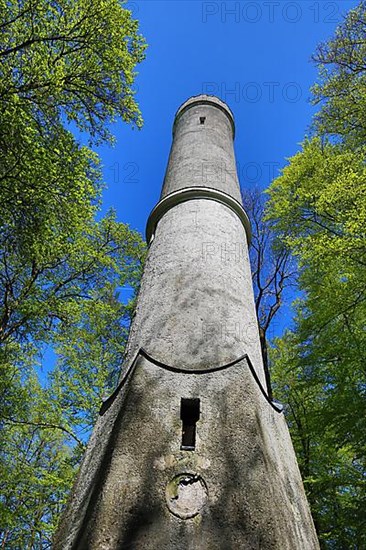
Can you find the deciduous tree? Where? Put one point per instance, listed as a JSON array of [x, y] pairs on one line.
[[64, 65], [319, 366]]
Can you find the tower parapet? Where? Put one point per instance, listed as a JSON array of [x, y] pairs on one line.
[[202, 153]]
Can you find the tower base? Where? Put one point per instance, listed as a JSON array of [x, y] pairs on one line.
[[236, 486]]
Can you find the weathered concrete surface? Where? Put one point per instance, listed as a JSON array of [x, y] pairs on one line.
[[240, 487], [196, 304], [255, 497], [196, 301]]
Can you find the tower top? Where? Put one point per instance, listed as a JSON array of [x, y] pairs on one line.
[[204, 99]]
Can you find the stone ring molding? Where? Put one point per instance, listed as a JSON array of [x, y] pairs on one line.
[[194, 193]]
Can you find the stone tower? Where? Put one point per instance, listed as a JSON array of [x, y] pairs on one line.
[[189, 452]]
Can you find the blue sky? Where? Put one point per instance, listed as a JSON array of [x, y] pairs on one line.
[[255, 55]]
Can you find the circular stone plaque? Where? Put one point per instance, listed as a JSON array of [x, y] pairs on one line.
[[186, 494]]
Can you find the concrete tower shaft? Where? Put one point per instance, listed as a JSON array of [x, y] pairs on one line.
[[196, 303]]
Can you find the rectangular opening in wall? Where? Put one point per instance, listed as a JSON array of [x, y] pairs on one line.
[[189, 414], [202, 119]]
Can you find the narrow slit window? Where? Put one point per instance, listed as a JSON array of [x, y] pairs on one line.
[[202, 119], [189, 414]]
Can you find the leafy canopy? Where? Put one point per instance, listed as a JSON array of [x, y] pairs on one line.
[[70, 58], [319, 367], [63, 65]]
